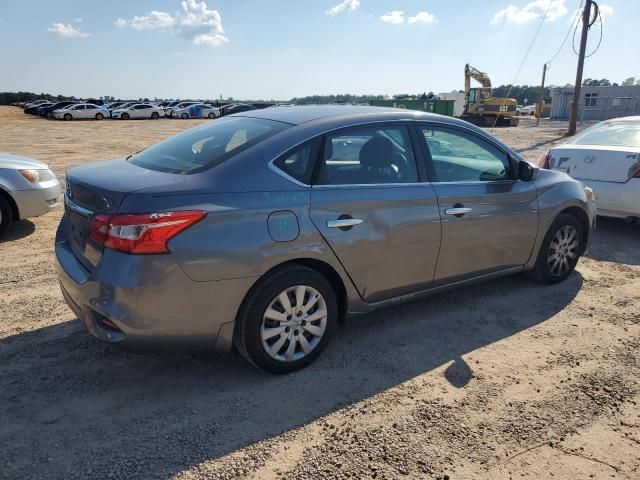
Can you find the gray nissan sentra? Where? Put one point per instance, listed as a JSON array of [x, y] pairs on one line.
[[263, 229]]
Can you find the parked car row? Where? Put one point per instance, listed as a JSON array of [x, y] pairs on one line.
[[122, 110]]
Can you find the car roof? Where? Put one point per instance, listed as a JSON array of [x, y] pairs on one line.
[[345, 114], [633, 118]]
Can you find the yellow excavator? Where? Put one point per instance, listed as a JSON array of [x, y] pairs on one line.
[[481, 107]]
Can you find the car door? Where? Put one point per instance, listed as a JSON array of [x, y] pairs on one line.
[[489, 217], [80, 111], [89, 111], [371, 206]]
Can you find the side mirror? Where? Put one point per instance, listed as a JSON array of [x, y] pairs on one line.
[[527, 172]]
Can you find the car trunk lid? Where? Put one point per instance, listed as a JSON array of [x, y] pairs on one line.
[[100, 188], [594, 162]]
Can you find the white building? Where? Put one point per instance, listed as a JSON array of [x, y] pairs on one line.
[[596, 103], [458, 101]]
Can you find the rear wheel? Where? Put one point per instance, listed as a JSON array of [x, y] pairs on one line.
[[560, 250], [125, 116], [155, 115], [287, 320], [68, 116], [6, 217]]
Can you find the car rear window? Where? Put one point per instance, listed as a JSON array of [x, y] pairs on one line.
[[206, 146], [619, 134]]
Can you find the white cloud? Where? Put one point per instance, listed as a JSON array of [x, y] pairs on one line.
[[423, 17], [66, 30], [605, 11], [531, 11], [394, 17], [196, 23], [152, 21], [343, 7]]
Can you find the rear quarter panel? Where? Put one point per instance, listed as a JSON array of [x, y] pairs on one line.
[[233, 241]]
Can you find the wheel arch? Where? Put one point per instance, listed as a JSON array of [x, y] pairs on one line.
[[322, 267], [583, 218], [15, 212]]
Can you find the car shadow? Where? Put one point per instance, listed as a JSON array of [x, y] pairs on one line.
[[74, 405], [616, 241], [18, 230]]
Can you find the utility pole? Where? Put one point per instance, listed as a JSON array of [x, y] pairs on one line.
[[586, 18], [541, 100]]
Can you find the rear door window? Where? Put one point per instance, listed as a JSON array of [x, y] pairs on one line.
[[368, 156]]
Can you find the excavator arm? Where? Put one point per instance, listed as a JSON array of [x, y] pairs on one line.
[[481, 77]]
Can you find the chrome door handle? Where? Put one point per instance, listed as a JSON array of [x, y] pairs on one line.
[[455, 211], [344, 223]]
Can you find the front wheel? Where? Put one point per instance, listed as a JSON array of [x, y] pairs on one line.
[[125, 116], [99, 116], [560, 250], [287, 320], [184, 116], [155, 115], [67, 116], [212, 115]]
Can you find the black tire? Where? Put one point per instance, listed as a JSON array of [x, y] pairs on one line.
[[155, 116], [6, 216], [99, 116], [212, 115], [542, 272], [68, 116], [125, 116], [184, 116], [247, 334]]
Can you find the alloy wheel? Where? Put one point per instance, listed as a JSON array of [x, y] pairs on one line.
[[563, 250], [294, 323]]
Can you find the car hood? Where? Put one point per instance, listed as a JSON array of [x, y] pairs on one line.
[[8, 160]]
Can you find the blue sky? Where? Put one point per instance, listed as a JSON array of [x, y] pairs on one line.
[[284, 48]]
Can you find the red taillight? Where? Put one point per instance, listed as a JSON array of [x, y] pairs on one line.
[[637, 174], [544, 161], [145, 233]]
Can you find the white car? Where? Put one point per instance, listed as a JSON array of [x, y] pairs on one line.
[[28, 188], [81, 111], [605, 157], [197, 110], [138, 110], [169, 111]]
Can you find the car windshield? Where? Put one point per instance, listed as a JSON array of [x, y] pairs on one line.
[[206, 146], [620, 134]]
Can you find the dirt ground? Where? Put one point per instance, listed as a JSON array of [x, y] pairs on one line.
[[503, 380]]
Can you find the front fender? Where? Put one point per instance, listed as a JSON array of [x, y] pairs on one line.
[[557, 192]]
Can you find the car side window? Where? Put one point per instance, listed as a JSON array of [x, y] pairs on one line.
[[457, 156], [299, 163], [368, 156]]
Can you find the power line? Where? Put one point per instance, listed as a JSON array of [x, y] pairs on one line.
[[571, 27], [524, 59]]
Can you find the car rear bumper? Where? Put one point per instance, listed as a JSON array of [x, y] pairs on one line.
[[38, 201], [620, 200], [137, 300]]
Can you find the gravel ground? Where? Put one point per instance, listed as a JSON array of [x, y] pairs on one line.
[[503, 380]]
